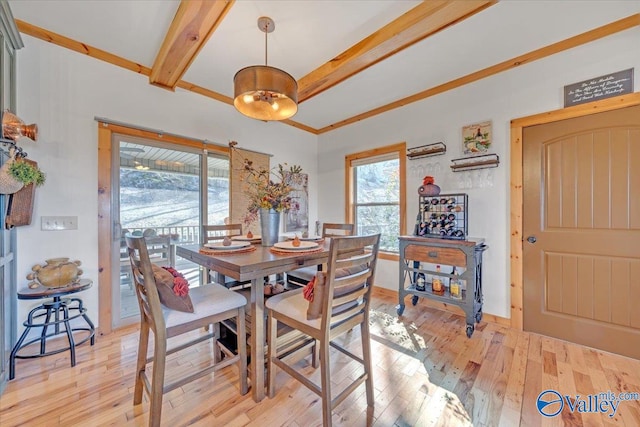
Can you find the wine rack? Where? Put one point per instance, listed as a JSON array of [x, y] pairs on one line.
[[444, 215]]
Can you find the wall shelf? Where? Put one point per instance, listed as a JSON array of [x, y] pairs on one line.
[[477, 162], [428, 150]]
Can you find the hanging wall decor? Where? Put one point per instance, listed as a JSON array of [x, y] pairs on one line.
[[477, 138], [297, 218], [20, 205]]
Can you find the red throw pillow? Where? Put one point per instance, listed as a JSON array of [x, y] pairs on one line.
[[314, 290], [172, 291]]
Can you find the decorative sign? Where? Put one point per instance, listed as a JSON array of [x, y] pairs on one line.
[[476, 138], [602, 87]]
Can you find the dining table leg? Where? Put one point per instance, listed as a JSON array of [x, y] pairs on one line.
[[257, 339]]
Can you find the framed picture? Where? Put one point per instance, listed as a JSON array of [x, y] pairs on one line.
[[297, 219], [476, 138]]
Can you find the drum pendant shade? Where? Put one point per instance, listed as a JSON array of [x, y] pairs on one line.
[[263, 92]]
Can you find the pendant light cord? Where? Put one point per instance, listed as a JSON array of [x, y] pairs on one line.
[[266, 32]]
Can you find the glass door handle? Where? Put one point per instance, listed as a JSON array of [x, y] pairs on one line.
[[532, 239]]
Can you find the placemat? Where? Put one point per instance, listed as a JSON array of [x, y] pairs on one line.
[[208, 251], [277, 251]]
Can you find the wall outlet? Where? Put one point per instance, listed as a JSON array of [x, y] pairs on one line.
[[54, 223]]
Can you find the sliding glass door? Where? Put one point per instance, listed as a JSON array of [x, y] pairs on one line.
[[163, 193]]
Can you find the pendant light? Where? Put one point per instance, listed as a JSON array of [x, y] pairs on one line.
[[263, 92]]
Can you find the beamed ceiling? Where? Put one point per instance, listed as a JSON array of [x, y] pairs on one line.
[[352, 59]]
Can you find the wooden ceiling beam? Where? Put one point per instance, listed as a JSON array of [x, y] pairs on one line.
[[581, 39], [76, 46], [586, 37], [420, 22], [85, 49], [191, 28]]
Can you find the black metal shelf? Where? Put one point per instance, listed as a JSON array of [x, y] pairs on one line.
[[436, 149], [476, 162]]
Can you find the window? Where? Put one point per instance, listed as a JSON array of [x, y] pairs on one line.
[[376, 193]]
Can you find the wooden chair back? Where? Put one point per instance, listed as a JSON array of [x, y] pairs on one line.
[[302, 276], [349, 280], [216, 233], [213, 233], [145, 285], [334, 229], [160, 250]]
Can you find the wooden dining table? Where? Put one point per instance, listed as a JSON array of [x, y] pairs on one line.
[[255, 266]]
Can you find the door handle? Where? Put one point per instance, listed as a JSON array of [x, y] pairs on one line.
[[117, 231], [532, 239]]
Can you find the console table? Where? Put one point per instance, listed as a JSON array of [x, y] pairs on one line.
[[49, 316], [417, 257]]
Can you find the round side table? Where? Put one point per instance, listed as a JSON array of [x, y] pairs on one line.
[[49, 316]]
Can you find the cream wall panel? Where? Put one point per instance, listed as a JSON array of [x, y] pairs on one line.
[[530, 89]]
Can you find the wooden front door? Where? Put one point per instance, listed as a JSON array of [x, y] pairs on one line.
[[581, 228]]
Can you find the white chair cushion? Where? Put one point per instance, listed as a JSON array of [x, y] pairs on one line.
[[292, 304], [207, 300]]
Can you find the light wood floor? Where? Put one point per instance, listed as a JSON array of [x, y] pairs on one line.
[[426, 372]]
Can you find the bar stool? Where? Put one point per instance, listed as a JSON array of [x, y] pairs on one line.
[[55, 312]]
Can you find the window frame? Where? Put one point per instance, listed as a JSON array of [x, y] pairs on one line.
[[350, 206]]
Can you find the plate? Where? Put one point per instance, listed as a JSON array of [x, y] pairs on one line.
[[220, 247], [307, 239], [247, 239], [304, 246]]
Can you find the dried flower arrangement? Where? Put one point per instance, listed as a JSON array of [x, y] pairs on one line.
[[268, 189]]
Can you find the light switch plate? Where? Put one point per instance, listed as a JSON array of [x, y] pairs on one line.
[[55, 223]]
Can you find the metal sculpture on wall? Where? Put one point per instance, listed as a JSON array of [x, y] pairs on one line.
[[297, 218]]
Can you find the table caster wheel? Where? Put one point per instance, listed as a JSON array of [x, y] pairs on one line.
[[414, 300], [400, 309], [469, 331], [478, 317]]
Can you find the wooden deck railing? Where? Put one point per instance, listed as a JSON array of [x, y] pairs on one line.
[[180, 233]]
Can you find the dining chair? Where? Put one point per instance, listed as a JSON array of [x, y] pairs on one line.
[[212, 304], [345, 299], [160, 250], [125, 265], [302, 276], [217, 233]]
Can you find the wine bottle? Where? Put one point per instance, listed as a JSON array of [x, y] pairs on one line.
[[420, 282], [454, 285], [436, 284]]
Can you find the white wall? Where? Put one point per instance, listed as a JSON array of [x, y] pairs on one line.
[[62, 91], [532, 88]]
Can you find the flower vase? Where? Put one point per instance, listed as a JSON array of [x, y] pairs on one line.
[[269, 226]]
